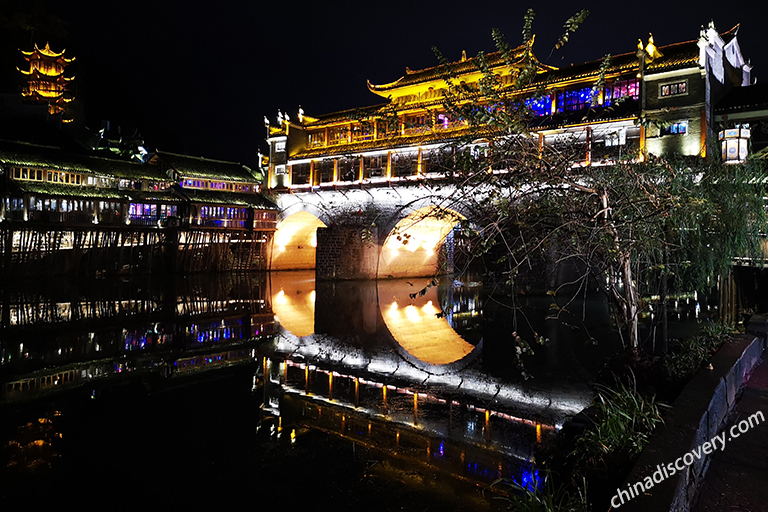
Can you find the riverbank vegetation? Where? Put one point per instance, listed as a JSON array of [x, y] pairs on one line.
[[629, 228]]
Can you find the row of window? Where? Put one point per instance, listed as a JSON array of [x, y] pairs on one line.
[[24, 173], [152, 210], [69, 178], [217, 185], [221, 212], [356, 168], [565, 101]]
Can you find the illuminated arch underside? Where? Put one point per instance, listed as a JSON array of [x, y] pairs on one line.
[[295, 242], [415, 326], [411, 249]]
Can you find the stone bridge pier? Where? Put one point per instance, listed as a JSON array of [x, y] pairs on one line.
[[367, 233]]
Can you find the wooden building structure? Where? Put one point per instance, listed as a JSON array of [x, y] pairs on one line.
[[677, 85], [64, 212]]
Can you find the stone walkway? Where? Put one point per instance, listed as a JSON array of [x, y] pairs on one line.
[[737, 479]]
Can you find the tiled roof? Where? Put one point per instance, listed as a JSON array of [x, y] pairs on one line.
[[159, 196], [57, 190], [33, 155], [470, 65], [199, 167], [226, 198], [53, 158]]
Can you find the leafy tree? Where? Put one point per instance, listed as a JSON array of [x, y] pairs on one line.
[[630, 226]]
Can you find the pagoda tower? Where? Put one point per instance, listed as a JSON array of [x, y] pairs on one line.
[[46, 82]]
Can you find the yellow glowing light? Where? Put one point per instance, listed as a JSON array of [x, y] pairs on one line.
[[313, 242], [393, 243], [413, 247], [393, 313], [281, 248], [312, 296], [280, 298], [429, 309], [538, 432], [412, 313]]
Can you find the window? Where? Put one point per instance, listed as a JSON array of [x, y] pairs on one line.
[[680, 128], [300, 173], [362, 131], [541, 106], [629, 89], [673, 89], [316, 139], [337, 135], [417, 123], [574, 100]]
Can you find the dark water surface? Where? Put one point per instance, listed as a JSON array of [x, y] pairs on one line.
[[245, 391]]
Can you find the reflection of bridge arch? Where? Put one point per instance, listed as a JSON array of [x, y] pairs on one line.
[[295, 242], [412, 247], [425, 338], [293, 300]]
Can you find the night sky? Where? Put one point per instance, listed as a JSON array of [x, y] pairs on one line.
[[199, 77]]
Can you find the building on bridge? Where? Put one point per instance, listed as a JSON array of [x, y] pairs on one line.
[[406, 138], [388, 159]]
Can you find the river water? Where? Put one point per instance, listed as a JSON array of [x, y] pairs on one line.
[[275, 390]]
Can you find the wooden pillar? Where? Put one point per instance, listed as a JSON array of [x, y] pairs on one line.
[[541, 145], [704, 129], [418, 163], [311, 173], [335, 170]]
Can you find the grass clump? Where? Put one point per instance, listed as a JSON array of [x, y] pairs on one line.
[[688, 356], [550, 498], [622, 425]]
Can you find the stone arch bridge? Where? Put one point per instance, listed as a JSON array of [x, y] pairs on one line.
[[368, 233]]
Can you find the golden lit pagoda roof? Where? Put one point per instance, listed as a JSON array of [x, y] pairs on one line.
[[43, 95], [463, 67], [47, 52]]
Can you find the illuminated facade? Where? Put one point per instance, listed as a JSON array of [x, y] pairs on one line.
[[676, 86], [46, 82]]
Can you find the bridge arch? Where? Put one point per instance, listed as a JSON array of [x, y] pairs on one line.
[[294, 245], [412, 246]]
